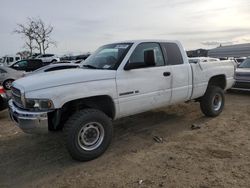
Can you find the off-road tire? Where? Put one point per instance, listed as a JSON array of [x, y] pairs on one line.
[[207, 101], [72, 130]]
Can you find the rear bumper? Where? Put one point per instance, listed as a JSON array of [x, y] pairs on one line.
[[29, 122]]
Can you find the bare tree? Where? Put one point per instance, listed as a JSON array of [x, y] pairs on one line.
[[26, 33], [24, 54], [41, 34], [36, 31]]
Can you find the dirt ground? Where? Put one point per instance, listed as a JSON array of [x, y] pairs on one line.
[[216, 155]]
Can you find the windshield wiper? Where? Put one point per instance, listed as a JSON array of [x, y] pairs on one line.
[[90, 66]]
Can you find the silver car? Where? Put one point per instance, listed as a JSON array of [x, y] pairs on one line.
[[8, 75], [242, 76]]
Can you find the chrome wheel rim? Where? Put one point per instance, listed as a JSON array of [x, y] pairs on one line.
[[217, 102], [91, 136]]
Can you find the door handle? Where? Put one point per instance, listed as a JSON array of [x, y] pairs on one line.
[[166, 74]]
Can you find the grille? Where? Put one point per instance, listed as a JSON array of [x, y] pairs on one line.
[[244, 85], [16, 96], [243, 76]]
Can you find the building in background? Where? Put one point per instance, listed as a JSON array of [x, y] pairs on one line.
[[238, 50]]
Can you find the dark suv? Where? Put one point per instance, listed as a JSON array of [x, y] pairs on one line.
[[28, 65]]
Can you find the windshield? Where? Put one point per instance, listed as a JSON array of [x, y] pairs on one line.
[[245, 64], [107, 57]]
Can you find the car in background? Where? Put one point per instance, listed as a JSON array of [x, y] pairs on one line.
[[54, 67], [33, 56], [242, 76], [69, 61], [28, 65], [82, 57], [64, 61], [8, 75], [3, 98], [48, 58], [8, 60], [202, 59], [75, 59]]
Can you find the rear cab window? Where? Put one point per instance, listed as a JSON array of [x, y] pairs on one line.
[[172, 53]]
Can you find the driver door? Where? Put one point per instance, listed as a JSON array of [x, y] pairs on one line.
[[144, 87]]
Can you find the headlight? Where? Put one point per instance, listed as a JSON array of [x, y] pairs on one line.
[[41, 104]]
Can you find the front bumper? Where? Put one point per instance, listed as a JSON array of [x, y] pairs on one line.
[[242, 85], [29, 122]]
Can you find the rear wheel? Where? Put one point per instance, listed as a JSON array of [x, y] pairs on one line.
[[7, 84], [88, 134], [212, 103]]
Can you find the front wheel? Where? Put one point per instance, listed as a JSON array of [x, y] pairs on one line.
[[212, 103], [88, 134]]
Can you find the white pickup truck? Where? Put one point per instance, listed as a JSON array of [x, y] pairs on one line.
[[118, 80]]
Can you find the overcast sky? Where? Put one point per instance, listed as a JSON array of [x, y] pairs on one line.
[[81, 25]]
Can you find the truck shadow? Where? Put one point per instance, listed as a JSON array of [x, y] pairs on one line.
[[29, 157]]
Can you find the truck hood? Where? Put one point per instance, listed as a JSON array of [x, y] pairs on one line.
[[62, 77]]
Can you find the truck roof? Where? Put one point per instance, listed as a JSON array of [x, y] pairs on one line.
[[149, 40]]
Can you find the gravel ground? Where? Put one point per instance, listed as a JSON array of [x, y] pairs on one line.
[[216, 155]]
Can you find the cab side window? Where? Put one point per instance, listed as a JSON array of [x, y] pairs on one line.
[[173, 54], [138, 56]]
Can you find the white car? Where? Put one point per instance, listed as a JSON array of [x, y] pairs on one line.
[[8, 75], [118, 80], [8, 60], [48, 58]]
